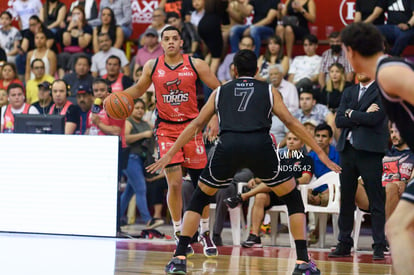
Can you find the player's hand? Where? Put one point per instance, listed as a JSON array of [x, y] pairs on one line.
[[212, 129], [159, 164], [329, 163]]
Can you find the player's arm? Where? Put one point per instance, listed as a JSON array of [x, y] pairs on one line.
[[299, 130], [398, 82], [189, 132], [144, 82]]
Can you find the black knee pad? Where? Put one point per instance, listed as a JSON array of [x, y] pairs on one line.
[[294, 202], [198, 201]]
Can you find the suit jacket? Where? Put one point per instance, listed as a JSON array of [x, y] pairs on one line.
[[369, 130]]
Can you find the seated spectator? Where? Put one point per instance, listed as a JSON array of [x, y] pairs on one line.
[[236, 13], [3, 98], [158, 23], [304, 69], [398, 169], [302, 168], [151, 48], [334, 55], [198, 12], [273, 55], [137, 74], [28, 42], [370, 12], [45, 98], [41, 52], [332, 92], [115, 77], [3, 58], [80, 77], [224, 72], [189, 35], [100, 58], [38, 68], [9, 76], [16, 105], [53, 14], [140, 139], [24, 9], [62, 106], [84, 99], [123, 14], [110, 27], [399, 30], [264, 24], [89, 6], [10, 37], [76, 40], [296, 15]]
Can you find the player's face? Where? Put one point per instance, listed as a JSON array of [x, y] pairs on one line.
[[293, 142], [323, 139], [171, 43], [306, 102], [395, 136], [100, 91], [59, 93], [138, 111], [16, 98]]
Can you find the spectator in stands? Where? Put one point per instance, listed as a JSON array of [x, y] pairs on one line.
[[302, 168], [53, 14], [24, 9], [89, 6], [77, 40], [273, 55], [45, 98], [100, 58], [41, 52], [123, 14], [370, 11], [224, 72], [296, 15], [198, 12], [28, 42], [332, 92], [38, 69], [110, 27], [399, 30], [137, 74], [84, 99], [397, 170], [304, 69], [151, 48], [3, 97], [81, 75], [10, 37], [16, 105], [158, 23], [334, 55], [189, 35], [264, 24], [9, 76], [115, 77], [62, 106], [3, 59]]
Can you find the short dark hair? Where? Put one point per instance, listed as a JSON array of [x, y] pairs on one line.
[[311, 38], [14, 86], [172, 14], [363, 38], [36, 18], [170, 28], [7, 13], [83, 56], [104, 34], [249, 37], [142, 101], [113, 57], [245, 62], [324, 126], [306, 89], [334, 34], [35, 60]]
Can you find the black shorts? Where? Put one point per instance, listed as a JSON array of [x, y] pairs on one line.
[[253, 150], [274, 200], [408, 194]]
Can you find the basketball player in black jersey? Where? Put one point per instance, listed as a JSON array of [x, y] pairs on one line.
[[363, 45], [244, 107]]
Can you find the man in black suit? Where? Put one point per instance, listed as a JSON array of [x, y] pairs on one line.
[[362, 144]]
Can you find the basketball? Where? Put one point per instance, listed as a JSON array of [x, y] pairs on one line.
[[119, 105]]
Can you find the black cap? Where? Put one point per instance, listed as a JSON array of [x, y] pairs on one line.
[[84, 89], [44, 85]]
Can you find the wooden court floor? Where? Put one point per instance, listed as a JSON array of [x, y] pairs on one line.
[[49, 254]]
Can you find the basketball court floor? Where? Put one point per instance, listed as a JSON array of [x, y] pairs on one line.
[[52, 254]]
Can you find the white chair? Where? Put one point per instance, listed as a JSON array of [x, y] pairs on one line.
[[236, 217], [359, 218], [332, 180]]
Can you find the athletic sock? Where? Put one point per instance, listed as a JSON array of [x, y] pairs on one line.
[[204, 225], [182, 246], [301, 250], [177, 225]]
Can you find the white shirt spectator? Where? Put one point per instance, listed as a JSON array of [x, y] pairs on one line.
[[32, 111], [196, 17], [99, 60], [25, 9], [305, 67], [289, 95]]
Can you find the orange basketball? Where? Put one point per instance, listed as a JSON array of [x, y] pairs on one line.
[[119, 105]]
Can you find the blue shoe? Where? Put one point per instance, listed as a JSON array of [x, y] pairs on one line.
[[306, 269], [176, 266]]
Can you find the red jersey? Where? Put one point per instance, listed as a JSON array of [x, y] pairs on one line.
[[175, 90]]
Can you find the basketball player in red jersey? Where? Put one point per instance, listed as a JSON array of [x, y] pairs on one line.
[[174, 76]]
